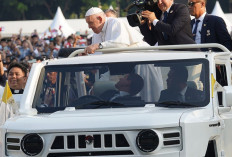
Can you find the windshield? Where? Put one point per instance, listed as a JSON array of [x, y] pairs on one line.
[[177, 83]]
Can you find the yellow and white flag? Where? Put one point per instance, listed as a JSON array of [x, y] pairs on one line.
[[8, 107], [213, 81]]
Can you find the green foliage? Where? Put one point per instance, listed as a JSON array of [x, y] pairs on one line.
[[73, 16], [22, 7], [46, 9]]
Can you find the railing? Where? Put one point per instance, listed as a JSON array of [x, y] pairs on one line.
[[166, 47]]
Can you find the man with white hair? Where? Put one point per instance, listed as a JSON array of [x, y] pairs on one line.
[[110, 32]]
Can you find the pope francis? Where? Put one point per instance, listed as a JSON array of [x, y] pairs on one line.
[[111, 32]]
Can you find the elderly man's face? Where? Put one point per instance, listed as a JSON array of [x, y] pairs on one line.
[[16, 78], [95, 23], [164, 4]]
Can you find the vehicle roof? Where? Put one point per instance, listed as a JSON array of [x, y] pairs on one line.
[[149, 55]]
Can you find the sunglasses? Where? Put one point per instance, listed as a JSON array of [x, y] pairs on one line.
[[190, 4]]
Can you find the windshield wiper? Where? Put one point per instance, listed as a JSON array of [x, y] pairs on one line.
[[98, 104], [175, 104]]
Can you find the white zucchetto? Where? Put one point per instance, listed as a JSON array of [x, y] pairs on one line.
[[93, 10]]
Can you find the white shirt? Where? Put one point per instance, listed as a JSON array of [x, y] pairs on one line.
[[117, 33], [199, 27], [153, 82]]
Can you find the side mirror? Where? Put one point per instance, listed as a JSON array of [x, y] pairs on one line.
[[227, 96]]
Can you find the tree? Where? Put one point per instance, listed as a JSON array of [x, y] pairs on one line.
[[46, 9]]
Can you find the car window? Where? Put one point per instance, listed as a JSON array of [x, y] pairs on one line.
[[120, 85]]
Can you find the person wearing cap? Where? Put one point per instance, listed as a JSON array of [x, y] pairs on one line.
[[110, 32]]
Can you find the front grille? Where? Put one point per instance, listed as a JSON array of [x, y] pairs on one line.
[[121, 141], [58, 143], [12, 140], [90, 144], [13, 143], [71, 142], [105, 143], [172, 142], [171, 135], [171, 138], [102, 153], [81, 141], [13, 147]]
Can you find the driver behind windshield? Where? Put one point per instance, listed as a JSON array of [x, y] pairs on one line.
[[177, 89], [127, 87], [50, 89]]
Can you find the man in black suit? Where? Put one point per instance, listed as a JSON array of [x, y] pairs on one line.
[[172, 28], [127, 87], [208, 28], [177, 89]]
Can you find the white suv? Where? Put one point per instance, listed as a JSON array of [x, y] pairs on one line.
[[65, 111]]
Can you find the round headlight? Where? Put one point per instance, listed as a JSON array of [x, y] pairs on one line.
[[147, 140], [32, 144]]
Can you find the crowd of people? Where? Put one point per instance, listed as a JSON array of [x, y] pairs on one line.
[[174, 26], [26, 50], [30, 49]]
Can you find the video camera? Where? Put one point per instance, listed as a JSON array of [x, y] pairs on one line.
[[136, 18]]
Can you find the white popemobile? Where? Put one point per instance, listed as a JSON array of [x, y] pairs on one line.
[[64, 110]]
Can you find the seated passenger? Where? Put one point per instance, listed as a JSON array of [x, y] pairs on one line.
[[177, 89], [127, 87], [49, 90]]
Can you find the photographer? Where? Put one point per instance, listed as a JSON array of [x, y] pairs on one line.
[[172, 28]]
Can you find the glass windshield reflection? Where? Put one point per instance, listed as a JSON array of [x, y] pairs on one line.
[[178, 83]]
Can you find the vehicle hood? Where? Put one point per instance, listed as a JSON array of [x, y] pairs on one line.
[[96, 120]]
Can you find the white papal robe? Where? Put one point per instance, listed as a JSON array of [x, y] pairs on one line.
[[117, 33]]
